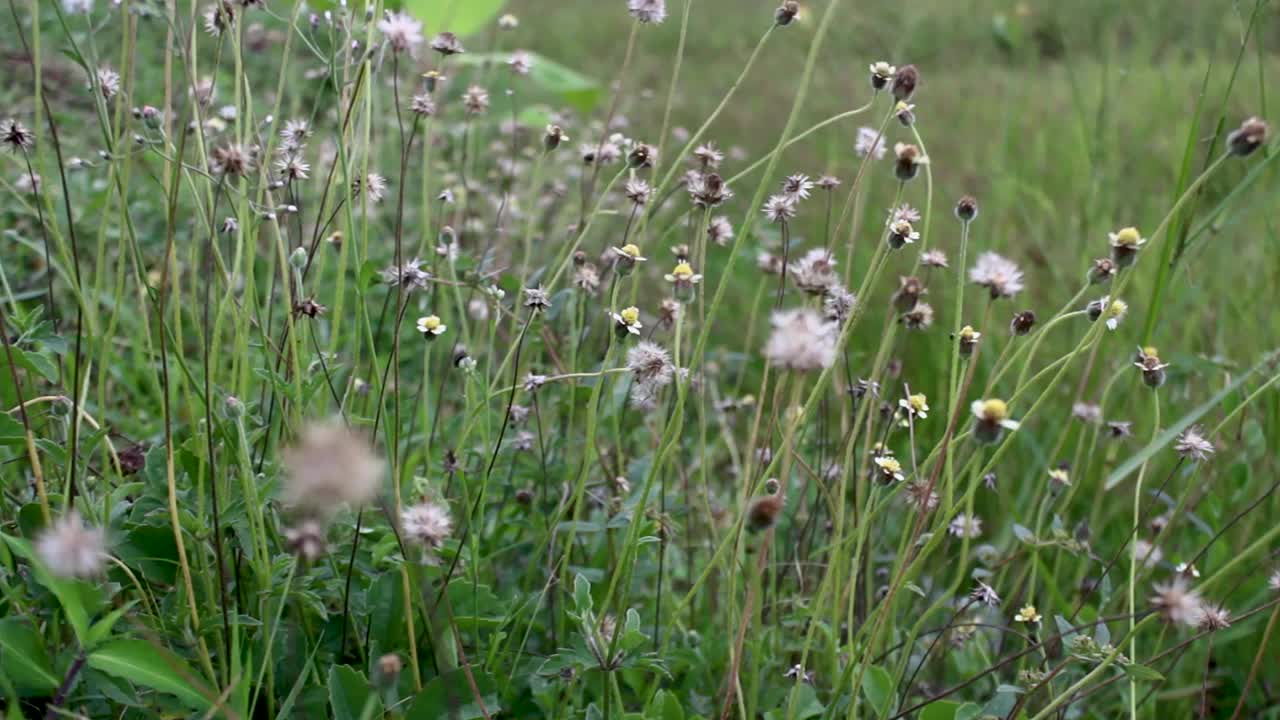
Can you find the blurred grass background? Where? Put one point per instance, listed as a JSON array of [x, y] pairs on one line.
[[1066, 119]]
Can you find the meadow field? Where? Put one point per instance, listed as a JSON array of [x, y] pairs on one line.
[[639, 359]]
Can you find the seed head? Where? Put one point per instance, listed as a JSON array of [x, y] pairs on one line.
[[764, 512], [815, 272], [446, 43], [786, 13], [71, 549], [1022, 322], [1193, 445], [779, 208], [475, 100], [909, 160], [998, 274], [1177, 603], [908, 294], [330, 466], [427, 524], [934, 258], [1102, 270], [905, 81], [401, 31], [1251, 135], [650, 12], [15, 135], [869, 142], [801, 340]]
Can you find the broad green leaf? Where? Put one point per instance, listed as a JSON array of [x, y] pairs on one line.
[[877, 687], [582, 594], [941, 710], [450, 696], [348, 693], [1164, 438], [968, 711], [73, 595], [461, 17], [101, 630], [153, 667], [11, 430], [24, 659]]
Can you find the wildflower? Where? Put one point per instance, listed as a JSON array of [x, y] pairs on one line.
[[1125, 244], [934, 258], [1060, 476], [998, 274], [992, 419], [642, 156], [1188, 570], [652, 370], [536, 299], [533, 382], [786, 13], [815, 272], [967, 209], [965, 526], [422, 105], [869, 142], [1273, 582], [651, 12], [1113, 310], [1028, 614], [292, 167], [801, 340], [797, 186], [401, 31], [16, 135], [1087, 413], [668, 312], [968, 340], [430, 326], [586, 277], [905, 112], [1193, 445], [780, 208], [1177, 603], [1119, 429], [909, 159], [881, 73], [330, 466], [837, 303], [797, 672], [908, 294], [684, 279], [720, 230], [1147, 553], [1250, 136], [552, 138], [520, 62], [218, 17], [372, 186], [427, 524], [626, 258], [475, 100], [916, 406], [985, 595], [446, 43], [889, 468], [905, 81], [901, 233], [638, 191], [769, 264], [1102, 270], [308, 308], [920, 317], [708, 155], [921, 496], [231, 159], [1213, 618], [1148, 362], [411, 276], [709, 190], [306, 540], [764, 512], [71, 549], [432, 79], [627, 321], [863, 387], [108, 82]]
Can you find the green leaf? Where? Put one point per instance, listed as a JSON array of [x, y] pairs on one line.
[[73, 595], [151, 666], [582, 594], [24, 659], [101, 630], [877, 687], [1136, 460], [348, 693], [450, 696], [461, 17], [11, 430], [1142, 672], [968, 711], [666, 706]]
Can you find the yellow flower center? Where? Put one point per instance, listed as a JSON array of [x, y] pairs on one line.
[[430, 322], [967, 333], [630, 250], [1117, 308], [683, 271], [1151, 352], [630, 316], [889, 465], [901, 107], [1128, 237], [1060, 475], [994, 410], [918, 402]]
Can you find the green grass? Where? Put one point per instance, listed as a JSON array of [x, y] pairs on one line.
[[172, 398]]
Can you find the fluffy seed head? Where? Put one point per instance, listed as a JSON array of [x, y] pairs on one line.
[[801, 340], [427, 524], [330, 466], [998, 274], [71, 549]]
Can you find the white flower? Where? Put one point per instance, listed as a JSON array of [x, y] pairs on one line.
[[1028, 614], [965, 526], [801, 340], [71, 549], [998, 274], [427, 524], [431, 325], [330, 466], [889, 467], [870, 142], [401, 30], [648, 11]]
